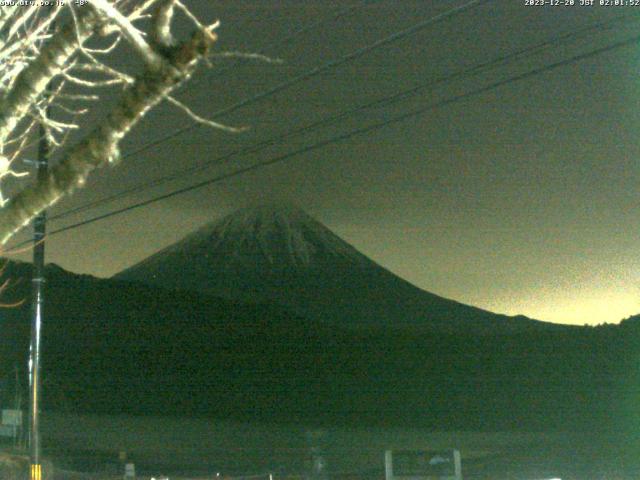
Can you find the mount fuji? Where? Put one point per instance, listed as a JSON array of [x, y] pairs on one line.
[[280, 254]]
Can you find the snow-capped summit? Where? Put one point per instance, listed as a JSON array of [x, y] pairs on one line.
[[281, 254], [278, 233]]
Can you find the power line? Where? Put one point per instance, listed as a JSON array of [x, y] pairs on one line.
[[318, 70], [278, 43], [331, 118], [355, 132], [293, 35]]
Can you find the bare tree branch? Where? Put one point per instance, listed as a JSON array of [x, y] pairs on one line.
[[247, 56], [101, 145], [161, 31], [131, 33], [19, 22], [32, 57], [205, 121], [33, 80]]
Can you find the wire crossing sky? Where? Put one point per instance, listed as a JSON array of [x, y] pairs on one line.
[[498, 62], [487, 158], [347, 135]]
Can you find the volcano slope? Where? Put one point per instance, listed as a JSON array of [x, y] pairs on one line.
[[282, 255], [120, 347]]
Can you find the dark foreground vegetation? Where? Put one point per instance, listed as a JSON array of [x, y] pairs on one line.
[[111, 347]]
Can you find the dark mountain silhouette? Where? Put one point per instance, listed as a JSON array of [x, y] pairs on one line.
[[280, 254], [120, 347]]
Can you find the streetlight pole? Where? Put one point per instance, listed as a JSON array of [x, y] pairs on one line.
[[37, 302]]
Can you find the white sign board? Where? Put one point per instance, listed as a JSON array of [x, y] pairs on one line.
[[129, 471], [12, 417], [423, 465]]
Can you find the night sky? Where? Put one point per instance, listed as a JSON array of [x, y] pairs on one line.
[[520, 200]]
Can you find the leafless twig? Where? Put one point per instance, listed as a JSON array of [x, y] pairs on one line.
[[205, 121]]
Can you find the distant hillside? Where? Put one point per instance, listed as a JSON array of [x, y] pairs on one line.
[[115, 347], [281, 254]]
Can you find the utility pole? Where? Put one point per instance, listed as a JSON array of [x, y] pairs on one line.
[[37, 302]]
